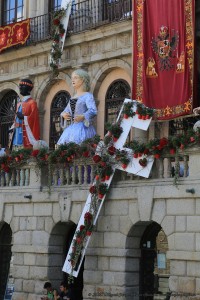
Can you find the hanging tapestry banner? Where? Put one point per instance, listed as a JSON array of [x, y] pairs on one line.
[[163, 56], [14, 34]]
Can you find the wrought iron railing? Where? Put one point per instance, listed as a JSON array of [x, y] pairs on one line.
[[84, 16]]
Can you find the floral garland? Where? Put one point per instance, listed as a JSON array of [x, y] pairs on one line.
[[58, 33], [106, 157]]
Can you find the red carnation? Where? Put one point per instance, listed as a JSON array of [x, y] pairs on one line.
[[82, 227], [6, 169], [93, 189], [35, 153], [79, 240], [88, 233], [56, 22], [96, 158], [163, 142], [86, 154], [88, 216], [111, 150]]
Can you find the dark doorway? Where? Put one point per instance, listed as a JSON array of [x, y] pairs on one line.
[[5, 256], [148, 281], [59, 243]]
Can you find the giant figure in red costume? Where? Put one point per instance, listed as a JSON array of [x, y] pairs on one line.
[[26, 125]]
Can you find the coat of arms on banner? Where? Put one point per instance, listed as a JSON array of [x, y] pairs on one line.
[[164, 45]]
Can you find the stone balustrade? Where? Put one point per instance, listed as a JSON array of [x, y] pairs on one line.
[[82, 172]]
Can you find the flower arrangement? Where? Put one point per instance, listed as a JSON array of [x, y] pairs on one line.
[[138, 148], [123, 158], [102, 190], [58, 32], [114, 130], [128, 110], [84, 231], [144, 112]]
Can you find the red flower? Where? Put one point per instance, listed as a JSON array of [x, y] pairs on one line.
[[79, 240], [163, 142], [111, 150], [82, 227], [93, 189], [115, 139], [126, 116], [6, 169], [172, 151], [146, 151], [107, 177], [97, 177], [100, 196], [96, 158], [56, 22], [86, 154], [88, 216], [35, 153], [88, 233], [124, 166], [103, 163]]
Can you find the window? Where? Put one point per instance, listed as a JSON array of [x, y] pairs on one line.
[[58, 105], [12, 11], [7, 113], [117, 92], [54, 5]]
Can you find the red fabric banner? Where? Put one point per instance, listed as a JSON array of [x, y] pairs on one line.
[[14, 34], [163, 58]]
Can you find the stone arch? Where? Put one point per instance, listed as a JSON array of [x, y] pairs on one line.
[[7, 86], [137, 261], [59, 243], [5, 256], [115, 69], [105, 69]]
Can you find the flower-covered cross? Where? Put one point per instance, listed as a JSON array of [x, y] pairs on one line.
[[110, 155]]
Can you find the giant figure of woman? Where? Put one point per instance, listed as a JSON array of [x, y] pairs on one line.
[[80, 111]]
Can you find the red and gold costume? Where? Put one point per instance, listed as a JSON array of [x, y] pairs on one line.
[[30, 124]]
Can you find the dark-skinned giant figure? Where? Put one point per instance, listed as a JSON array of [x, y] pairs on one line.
[[26, 125]]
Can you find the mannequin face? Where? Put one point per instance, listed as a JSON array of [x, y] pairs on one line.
[[24, 90], [77, 81]]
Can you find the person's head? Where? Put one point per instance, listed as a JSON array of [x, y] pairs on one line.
[[81, 74], [63, 286], [48, 286], [25, 87]]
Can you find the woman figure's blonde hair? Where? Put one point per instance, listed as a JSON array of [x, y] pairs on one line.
[[85, 76]]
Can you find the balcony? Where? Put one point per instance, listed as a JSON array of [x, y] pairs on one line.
[[81, 173], [86, 15]]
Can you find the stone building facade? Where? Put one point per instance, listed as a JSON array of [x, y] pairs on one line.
[[140, 219]]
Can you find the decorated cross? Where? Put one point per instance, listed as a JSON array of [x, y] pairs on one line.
[[114, 149]]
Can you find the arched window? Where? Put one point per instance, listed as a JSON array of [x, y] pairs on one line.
[[12, 11], [7, 114], [58, 104], [117, 92]]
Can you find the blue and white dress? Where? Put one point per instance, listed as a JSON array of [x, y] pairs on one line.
[[78, 132]]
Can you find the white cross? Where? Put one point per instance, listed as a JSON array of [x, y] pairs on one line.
[[133, 167]]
